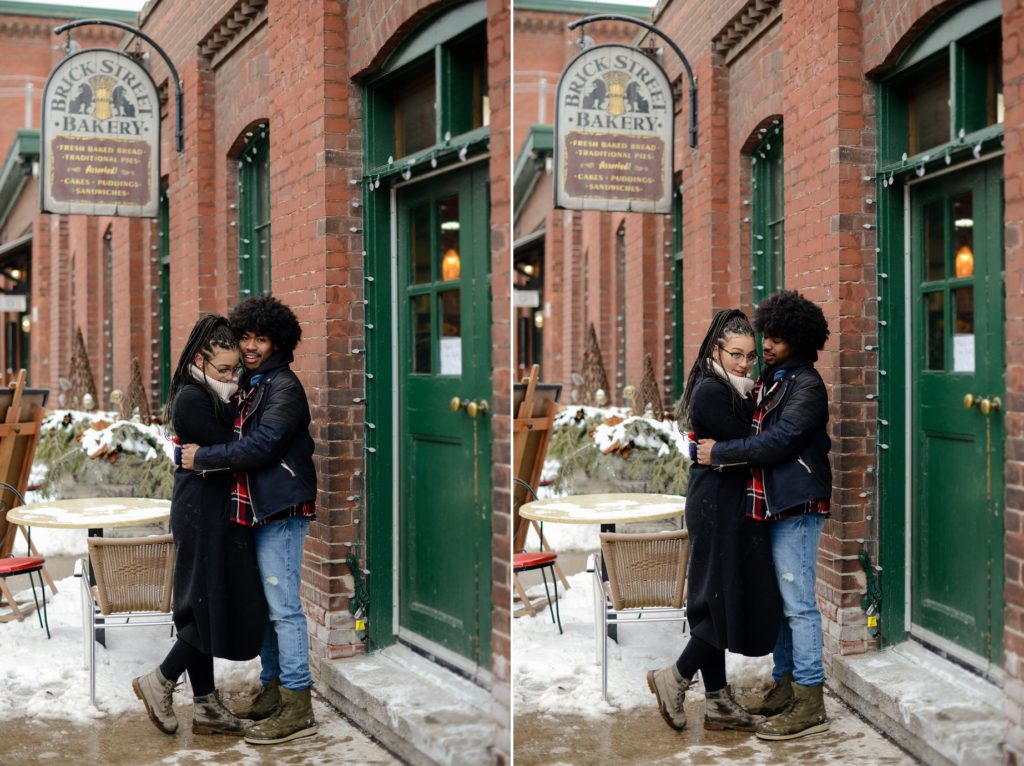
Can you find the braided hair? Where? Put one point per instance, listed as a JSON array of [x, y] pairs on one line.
[[210, 333], [726, 322]]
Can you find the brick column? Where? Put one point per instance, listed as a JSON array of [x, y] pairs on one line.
[[1013, 593], [315, 152], [830, 258]]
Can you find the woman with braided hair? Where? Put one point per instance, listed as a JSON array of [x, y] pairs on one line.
[[733, 600], [219, 606]]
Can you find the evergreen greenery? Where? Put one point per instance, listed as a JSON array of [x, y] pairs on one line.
[[630, 467]]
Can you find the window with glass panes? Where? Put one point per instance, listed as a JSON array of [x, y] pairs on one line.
[[164, 235], [254, 214], [767, 214], [947, 93], [437, 92]]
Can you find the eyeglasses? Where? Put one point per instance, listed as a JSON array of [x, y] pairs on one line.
[[224, 370], [739, 356]]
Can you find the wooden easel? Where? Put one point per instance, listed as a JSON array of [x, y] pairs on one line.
[[532, 427], [19, 436]]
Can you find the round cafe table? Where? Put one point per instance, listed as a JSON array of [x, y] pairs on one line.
[[92, 513], [605, 509]]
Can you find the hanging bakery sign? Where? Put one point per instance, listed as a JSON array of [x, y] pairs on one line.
[[100, 151], [613, 133]]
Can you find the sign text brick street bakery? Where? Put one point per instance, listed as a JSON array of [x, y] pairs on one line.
[[613, 133], [101, 137]]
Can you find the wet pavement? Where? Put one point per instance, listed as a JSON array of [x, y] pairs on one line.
[[641, 737], [132, 739]]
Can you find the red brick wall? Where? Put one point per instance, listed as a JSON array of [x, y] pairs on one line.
[[499, 79], [1013, 164]]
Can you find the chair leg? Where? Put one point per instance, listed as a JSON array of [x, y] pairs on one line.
[[86, 616], [92, 661], [598, 592], [35, 600], [547, 594], [604, 653], [42, 615], [558, 611]]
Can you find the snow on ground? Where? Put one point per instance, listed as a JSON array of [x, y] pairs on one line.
[[44, 679], [561, 674]]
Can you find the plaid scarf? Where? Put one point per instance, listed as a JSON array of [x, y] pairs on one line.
[[755, 485], [243, 514], [239, 487]]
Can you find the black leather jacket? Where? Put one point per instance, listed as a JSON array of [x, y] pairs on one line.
[[793, 444], [276, 451]]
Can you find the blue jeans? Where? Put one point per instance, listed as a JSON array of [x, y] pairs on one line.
[[285, 650], [795, 551]]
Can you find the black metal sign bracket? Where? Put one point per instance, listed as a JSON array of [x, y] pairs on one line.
[[179, 131], [654, 30]]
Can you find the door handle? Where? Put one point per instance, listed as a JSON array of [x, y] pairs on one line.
[[471, 407], [985, 404], [990, 405]]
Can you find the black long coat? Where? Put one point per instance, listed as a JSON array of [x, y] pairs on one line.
[[219, 606], [733, 600]]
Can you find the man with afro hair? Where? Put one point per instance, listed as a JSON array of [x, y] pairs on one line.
[[790, 489], [275, 492]]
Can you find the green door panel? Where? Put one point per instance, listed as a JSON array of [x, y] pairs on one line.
[[957, 340], [444, 353]]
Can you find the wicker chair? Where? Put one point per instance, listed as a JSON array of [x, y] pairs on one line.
[[133, 588], [646, 583]]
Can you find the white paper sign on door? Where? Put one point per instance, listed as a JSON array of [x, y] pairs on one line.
[[451, 356], [963, 353]]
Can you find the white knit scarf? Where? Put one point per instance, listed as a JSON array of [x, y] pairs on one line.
[[223, 390], [742, 385]]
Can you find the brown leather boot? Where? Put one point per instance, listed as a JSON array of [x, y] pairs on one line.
[[209, 716], [263, 704], [805, 716], [156, 693], [292, 720], [722, 711], [670, 693], [778, 698]]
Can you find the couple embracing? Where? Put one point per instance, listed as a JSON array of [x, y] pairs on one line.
[[243, 499], [758, 497]]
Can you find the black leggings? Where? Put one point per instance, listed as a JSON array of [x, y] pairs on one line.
[[184, 657], [708, 659]]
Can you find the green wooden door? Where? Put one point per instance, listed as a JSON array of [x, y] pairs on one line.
[[444, 353], [957, 491]]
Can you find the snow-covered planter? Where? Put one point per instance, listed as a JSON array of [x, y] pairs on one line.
[[611, 445], [97, 449]]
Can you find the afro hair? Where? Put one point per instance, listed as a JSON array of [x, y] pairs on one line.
[[790, 317], [266, 315]]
